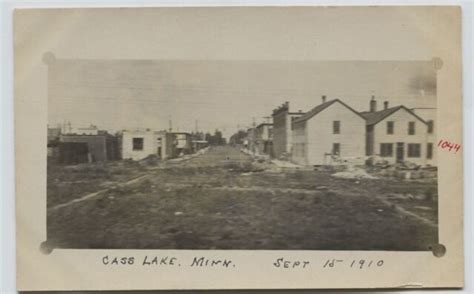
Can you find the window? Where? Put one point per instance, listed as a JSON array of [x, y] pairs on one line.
[[411, 128], [430, 126], [386, 149], [414, 150], [137, 143], [429, 150], [336, 149], [390, 127], [336, 127]]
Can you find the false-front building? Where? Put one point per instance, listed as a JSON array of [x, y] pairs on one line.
[[282, 136]]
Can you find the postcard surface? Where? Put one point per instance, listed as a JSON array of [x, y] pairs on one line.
[[238, 148]]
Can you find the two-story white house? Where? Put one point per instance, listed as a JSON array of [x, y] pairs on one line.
[[331, 133], [397, 134]]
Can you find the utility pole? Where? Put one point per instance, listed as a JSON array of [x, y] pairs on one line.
[[170, 122]]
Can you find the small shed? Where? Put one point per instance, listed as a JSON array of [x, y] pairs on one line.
[[102, 147]]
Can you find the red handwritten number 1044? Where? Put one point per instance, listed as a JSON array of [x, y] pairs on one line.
[[449, 146]]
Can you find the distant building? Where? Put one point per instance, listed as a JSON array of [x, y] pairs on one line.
[[101, 147], [183, 142], [251, 140], [282, 137], [330, 133], [53, 134], [90, 130], [264, 139], [397, 134], [139, 144], [72, 153], [199, 144], [53, 140]]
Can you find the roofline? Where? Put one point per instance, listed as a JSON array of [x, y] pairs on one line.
[[329, 103], [264, 124], [353, 110], [301, 119], [400, 107], [142, 130], [180, 133], [414, 114], [89, 135]]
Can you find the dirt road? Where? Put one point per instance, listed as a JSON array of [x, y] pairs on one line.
[[223, 199]]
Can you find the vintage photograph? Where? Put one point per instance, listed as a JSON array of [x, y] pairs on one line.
[[242, 154], [238, 147]]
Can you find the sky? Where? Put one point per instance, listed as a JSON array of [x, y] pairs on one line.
[[225, 94], [141, 67]]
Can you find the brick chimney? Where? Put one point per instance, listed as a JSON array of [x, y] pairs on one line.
[[373, 104], [385, 104], [323, 99]]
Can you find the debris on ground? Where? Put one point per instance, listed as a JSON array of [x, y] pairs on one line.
[[417, 174], [300, 209], [149, 160], [377, 161], [353, 173], [406, 165], [284, 164], [285, 156]]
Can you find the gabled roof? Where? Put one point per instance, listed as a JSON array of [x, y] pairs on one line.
[[373, 118], [181, 133], [264, 124], [322, 107]]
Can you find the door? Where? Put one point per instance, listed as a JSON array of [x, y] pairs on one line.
[[400, 152]]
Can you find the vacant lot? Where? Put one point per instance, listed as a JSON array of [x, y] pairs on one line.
[[66, 183], [224, 200]]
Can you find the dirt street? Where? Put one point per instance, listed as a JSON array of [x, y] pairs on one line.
[[223, 199]]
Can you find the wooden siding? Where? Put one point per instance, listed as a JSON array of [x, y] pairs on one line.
[[299, 154], [401, 118], [318, 138], [427, 115]]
